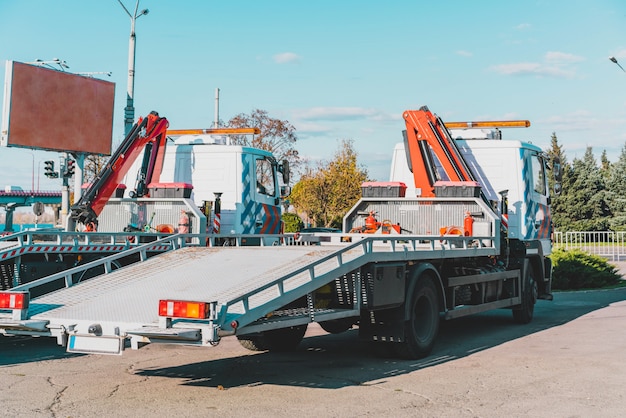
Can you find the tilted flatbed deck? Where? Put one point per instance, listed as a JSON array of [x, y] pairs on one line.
[[245, 284]]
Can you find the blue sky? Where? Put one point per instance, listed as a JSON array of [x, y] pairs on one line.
[[341, 69]]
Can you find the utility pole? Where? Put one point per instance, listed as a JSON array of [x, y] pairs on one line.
[[129, 110]]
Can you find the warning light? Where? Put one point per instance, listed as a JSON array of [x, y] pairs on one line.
[[184, 309], [488, 124], [14, 300]]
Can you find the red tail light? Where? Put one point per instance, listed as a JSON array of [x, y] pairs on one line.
[[184, 309], [14, 300]]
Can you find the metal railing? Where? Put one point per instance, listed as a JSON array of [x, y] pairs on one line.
[[171, 242], [607, 244]]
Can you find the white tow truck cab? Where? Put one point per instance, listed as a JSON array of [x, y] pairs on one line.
[[237, 188], [506, 169], [246, 180]]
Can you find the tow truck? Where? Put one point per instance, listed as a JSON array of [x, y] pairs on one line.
[[185, 181], [446, 252]]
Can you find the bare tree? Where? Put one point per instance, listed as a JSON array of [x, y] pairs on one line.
[[277, 136]]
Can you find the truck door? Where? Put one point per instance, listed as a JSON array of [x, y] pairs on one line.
[[538, 218], [267, 214]]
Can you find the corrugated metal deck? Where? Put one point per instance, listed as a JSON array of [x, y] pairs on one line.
[[131, 294]]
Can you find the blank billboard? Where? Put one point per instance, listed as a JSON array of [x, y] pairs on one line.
[[58, 111]]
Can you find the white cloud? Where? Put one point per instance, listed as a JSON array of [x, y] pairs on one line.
[[523, 26], [554, 64], [286, 58], [562, 58], [311, 129], [464, 53], [580, 120], [336, 113], [532, 68]]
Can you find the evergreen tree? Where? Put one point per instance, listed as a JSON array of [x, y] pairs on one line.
[[616, 185], [558, 207], [584, 204], [605, 166]]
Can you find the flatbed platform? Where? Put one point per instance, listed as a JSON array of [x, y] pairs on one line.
[[131, 294]]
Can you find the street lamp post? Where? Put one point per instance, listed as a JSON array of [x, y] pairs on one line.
[[614, 60], [129, 110]]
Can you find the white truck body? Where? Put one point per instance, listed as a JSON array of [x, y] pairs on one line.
[[245, 177], [515, 166]]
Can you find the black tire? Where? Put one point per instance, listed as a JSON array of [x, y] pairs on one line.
[[337, 326], [421, 329], [523, 313], [280, 340], [256, 343]]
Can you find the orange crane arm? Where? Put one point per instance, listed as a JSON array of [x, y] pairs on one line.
[[149, 130], [427, 135]]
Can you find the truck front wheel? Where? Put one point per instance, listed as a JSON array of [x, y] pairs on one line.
[[421, 329], [523, 313]]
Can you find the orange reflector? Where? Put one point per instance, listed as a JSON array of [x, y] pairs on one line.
[[183, 309], [14, 300]]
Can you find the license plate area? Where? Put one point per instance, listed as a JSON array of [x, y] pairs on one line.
[[92, 344]]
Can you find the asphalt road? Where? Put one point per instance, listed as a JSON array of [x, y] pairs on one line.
[[569, 362]]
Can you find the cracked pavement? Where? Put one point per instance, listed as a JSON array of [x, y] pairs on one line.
[[568, 362]]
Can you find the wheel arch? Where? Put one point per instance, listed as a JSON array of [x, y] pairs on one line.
[[536, 267], [415, 275]]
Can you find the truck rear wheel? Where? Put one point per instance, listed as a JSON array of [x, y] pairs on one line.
[[281, 340], [253, 343], [523, 313], [421, 329]]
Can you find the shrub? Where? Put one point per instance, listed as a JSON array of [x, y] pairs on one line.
[[576, 269], [293, 223]]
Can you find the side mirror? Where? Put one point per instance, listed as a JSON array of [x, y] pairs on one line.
[[284, 169], [557, 169]]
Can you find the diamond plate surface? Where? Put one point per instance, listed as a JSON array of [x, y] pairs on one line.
[[131, 294]]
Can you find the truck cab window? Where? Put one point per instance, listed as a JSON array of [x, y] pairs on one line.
[[264, 177], [539, 175]]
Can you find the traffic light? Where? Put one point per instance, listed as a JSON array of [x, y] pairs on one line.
[[49, 169], [69, 167]]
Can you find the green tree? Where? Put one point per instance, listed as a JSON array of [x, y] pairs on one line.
[[326, 193], [605, 165], [584, 202], [616, 185], [558, 207], [277, 136]]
